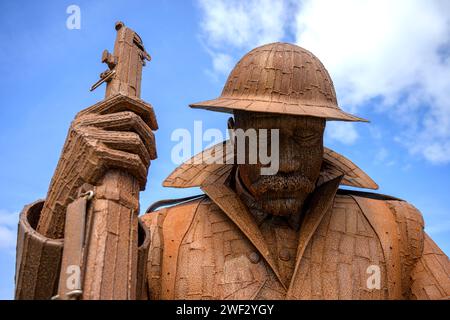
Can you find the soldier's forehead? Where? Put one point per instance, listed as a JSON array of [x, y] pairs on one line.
[[277, 116]]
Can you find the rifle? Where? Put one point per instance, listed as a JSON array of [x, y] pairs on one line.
[[103, 246], [111, 260]]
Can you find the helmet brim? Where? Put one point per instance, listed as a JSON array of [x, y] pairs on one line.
[[227, 105]]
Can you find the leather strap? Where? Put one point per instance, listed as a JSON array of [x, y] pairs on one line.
[[70, 277]]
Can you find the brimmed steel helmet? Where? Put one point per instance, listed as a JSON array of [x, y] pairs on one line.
[[279, 78]]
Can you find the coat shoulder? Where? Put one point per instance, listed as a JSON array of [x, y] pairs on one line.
[[170, 227], [399, 226], [156, 212], [402, 210]]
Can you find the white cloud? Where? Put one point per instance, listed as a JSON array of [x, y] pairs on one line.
[[222, 62], [8, 229], [396, 51], [391, 50], [372, 47], [231, 24], [343, 132], [242, 23]]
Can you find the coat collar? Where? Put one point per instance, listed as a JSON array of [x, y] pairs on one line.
[[203, 168]]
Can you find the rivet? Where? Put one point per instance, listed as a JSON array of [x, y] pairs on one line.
[[253, 257], [284, 254]]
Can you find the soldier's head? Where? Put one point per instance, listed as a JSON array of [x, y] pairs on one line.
[[299, 158], [281, 86]]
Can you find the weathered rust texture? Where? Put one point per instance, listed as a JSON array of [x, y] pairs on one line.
[[38, 258], [111, 266], [127, 61], [231, 249], [226, 245], [112, 259], [431, 274], [74, 236], [144, 238], [279, 78], [109, 146], [195, 173], [222, 246]]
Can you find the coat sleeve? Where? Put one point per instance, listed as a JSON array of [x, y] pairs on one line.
[[425, 268], [38, 258], [431, 275]]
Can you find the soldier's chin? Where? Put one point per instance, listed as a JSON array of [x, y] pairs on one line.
[[282, 206]]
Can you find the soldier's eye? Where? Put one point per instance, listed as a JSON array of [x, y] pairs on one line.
[[306, 139]]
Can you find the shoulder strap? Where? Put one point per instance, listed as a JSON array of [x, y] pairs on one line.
[[170, 202]]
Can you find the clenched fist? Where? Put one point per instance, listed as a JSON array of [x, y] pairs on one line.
[[113, 134]]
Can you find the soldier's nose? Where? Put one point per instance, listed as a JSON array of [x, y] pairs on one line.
[[287, 166]]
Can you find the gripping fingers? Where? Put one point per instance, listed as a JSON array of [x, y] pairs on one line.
[[121, 103], [124, 121], [116, 159], [128, 142]]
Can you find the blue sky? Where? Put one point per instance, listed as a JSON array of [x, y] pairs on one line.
[[390, 64]]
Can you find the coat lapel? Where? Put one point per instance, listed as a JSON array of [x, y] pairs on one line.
[[235, 209], [320, 202]]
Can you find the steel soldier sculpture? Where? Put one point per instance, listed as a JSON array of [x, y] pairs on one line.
[[293, 235]]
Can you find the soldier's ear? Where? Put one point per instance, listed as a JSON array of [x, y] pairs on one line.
[[230, 123]]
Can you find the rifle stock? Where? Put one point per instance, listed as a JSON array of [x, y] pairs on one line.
[[111, 249]]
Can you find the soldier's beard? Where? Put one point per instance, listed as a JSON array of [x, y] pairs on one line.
[[282, 194]]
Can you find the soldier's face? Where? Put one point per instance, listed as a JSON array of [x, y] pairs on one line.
[[300, 159]]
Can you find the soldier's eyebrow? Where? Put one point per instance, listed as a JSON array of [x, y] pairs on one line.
[[306, 132]]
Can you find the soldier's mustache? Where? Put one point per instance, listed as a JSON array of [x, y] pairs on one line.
[[292, 182]]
